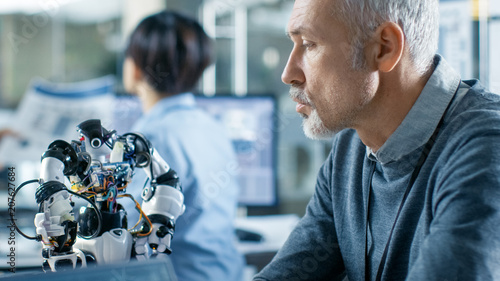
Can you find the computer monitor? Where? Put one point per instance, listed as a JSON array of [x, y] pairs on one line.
[[250, 122]]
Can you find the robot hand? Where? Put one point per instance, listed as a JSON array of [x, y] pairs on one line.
[[162, 218], [158, 240]]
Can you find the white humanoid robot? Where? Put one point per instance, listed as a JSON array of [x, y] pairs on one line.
[[98, 168]]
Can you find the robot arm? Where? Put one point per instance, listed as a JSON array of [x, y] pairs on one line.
[[55, 224], [163, 202]]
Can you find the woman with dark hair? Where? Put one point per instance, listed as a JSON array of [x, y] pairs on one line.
[[166, 55]]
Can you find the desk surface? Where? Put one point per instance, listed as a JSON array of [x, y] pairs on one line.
[[152, 270], [274, 229]]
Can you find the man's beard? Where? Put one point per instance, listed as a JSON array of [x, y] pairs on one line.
[[313, 126]]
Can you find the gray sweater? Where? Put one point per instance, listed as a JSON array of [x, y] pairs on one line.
[[449, 227]]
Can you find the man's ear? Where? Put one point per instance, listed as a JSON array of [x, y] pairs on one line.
[[387, 46]]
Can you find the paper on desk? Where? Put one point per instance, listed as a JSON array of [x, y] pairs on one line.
[[275, 230], [51, 111]]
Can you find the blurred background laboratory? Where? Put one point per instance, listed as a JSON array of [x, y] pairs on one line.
[[61, 63]]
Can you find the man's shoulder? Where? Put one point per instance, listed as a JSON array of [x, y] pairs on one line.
[[476, 115], [480, 95], [479, 108]]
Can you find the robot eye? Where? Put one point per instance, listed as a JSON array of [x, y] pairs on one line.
[[96, 143]]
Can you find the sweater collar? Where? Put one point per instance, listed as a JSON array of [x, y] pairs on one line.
[[423, 118]]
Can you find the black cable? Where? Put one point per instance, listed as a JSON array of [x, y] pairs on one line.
[[38, 238], [145, 155], [141, 137], [12, 213], [147, 144], [89, 161], [99, 216]]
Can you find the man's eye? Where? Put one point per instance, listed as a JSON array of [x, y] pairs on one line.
[[307, 44]]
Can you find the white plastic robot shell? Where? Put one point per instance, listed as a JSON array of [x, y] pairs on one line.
[[116, 155], [166, 201], [71, 256], [112, 246], [52, 170], [49, 221], [97, 153], [60, 206], [46, 228]]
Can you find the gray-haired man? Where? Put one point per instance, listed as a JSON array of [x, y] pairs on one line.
[[411, 189]]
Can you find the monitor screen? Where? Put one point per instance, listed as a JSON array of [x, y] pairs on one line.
[[250, 122]]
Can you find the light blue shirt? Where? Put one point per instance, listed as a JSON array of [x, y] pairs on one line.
[[197, 148]]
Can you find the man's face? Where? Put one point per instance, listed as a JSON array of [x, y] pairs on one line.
[[330, 95]]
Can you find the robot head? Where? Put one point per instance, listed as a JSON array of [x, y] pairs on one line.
[[96, 134]]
